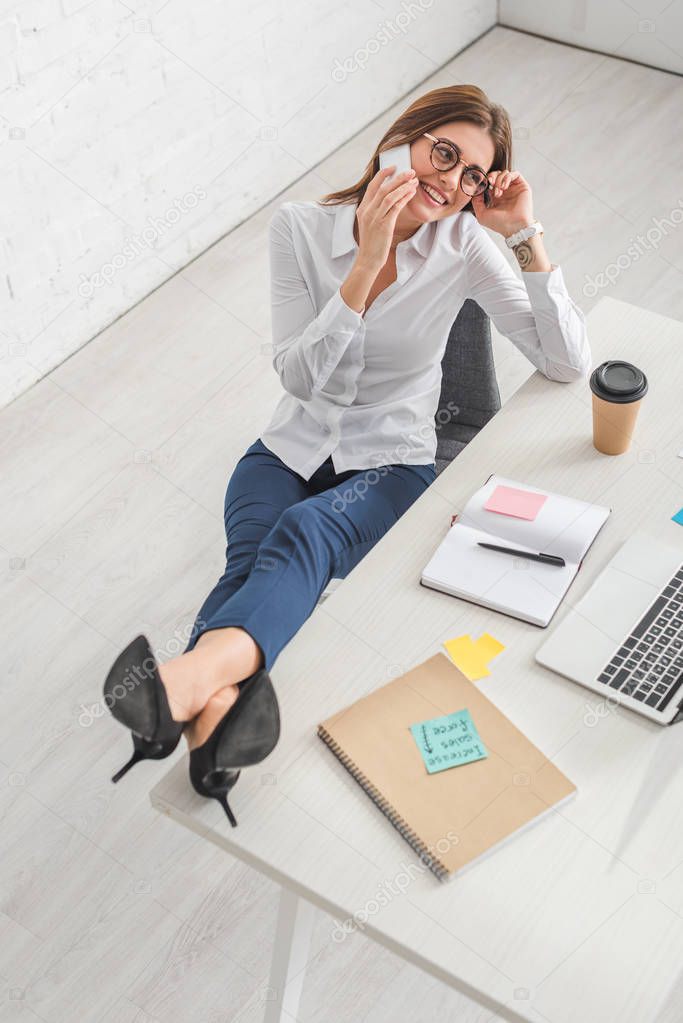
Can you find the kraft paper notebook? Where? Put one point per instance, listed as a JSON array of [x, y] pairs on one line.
[[454, 816], [527, 518]]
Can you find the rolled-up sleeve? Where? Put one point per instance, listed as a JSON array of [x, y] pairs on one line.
[[536, 313], [307, 346]]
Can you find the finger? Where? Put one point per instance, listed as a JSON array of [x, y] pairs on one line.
[[506, 179], [387, 188], [399, 188], [382, 176], [398, 206], [376, 181], [387, 185], [407, 189]]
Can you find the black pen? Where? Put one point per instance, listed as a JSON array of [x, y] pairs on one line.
[[547, 559]]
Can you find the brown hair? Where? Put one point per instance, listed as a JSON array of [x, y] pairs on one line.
[[440, 106]]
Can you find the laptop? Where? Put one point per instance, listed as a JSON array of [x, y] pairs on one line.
[[624, 638]]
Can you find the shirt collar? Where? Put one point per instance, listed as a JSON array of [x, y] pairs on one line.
[[343, 240]]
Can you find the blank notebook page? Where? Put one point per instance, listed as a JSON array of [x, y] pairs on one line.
[[512, 585]]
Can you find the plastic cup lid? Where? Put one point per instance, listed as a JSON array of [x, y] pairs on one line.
[[618, 381]]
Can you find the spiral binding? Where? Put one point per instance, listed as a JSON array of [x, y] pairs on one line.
[[413, 839]]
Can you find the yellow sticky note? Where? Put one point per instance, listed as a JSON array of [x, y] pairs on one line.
[[489, 646], [472, 657], [466, 655]]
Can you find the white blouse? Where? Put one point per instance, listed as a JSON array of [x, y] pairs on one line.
[[364, 387]]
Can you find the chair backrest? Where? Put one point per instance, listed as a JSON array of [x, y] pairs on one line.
[[469, 389]]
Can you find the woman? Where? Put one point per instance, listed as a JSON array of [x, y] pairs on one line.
[[365, 285]]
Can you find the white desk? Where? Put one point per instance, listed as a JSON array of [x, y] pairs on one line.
[[578, 920]]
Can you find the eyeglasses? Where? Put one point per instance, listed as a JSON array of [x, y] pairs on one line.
[[445, 156]]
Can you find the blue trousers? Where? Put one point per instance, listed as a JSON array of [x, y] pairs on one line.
[[287, 537]]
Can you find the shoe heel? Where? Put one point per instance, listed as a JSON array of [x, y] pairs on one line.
[[144, 749], [223, 800], [214, 785], [137, 756]]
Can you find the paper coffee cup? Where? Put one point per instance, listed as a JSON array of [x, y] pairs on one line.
[[618, 390]]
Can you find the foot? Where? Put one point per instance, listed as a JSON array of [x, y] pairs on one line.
[[190, 681], [184, 687], [199, 730], [219, 658]]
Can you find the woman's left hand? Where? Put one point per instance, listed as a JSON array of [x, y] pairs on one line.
[[512, 206]]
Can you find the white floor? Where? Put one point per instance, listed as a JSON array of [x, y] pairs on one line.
[[114, 470]]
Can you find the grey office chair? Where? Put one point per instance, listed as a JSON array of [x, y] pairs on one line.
[[469, 389]]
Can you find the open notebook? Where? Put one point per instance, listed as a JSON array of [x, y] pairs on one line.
[[457, 815], [524, 589]]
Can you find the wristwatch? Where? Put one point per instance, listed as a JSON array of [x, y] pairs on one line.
[[524, 234]]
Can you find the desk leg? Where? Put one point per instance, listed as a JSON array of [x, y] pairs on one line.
[[290, 955]]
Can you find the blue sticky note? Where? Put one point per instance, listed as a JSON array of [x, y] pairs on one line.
[[678, 517], [448, 741]]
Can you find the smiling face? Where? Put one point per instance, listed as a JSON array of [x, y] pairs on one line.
[[476, 146]]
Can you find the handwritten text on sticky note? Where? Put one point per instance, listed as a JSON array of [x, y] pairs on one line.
[[448, 741], [521, 504]]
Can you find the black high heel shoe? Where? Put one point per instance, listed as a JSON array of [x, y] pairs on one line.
[[245, 735], [135, 695]]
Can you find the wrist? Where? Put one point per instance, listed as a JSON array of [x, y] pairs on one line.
[[365, 267], [517, 225]]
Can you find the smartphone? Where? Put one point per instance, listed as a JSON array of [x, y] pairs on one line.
[[400, 155]]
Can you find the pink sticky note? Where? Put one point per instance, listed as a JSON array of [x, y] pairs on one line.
[[522, 504]]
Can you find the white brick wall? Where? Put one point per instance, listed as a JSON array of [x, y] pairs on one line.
[[198, 113]]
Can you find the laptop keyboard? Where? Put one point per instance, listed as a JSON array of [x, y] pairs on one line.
[[648, 666]]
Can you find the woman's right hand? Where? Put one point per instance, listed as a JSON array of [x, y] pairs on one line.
[[377, 212]]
